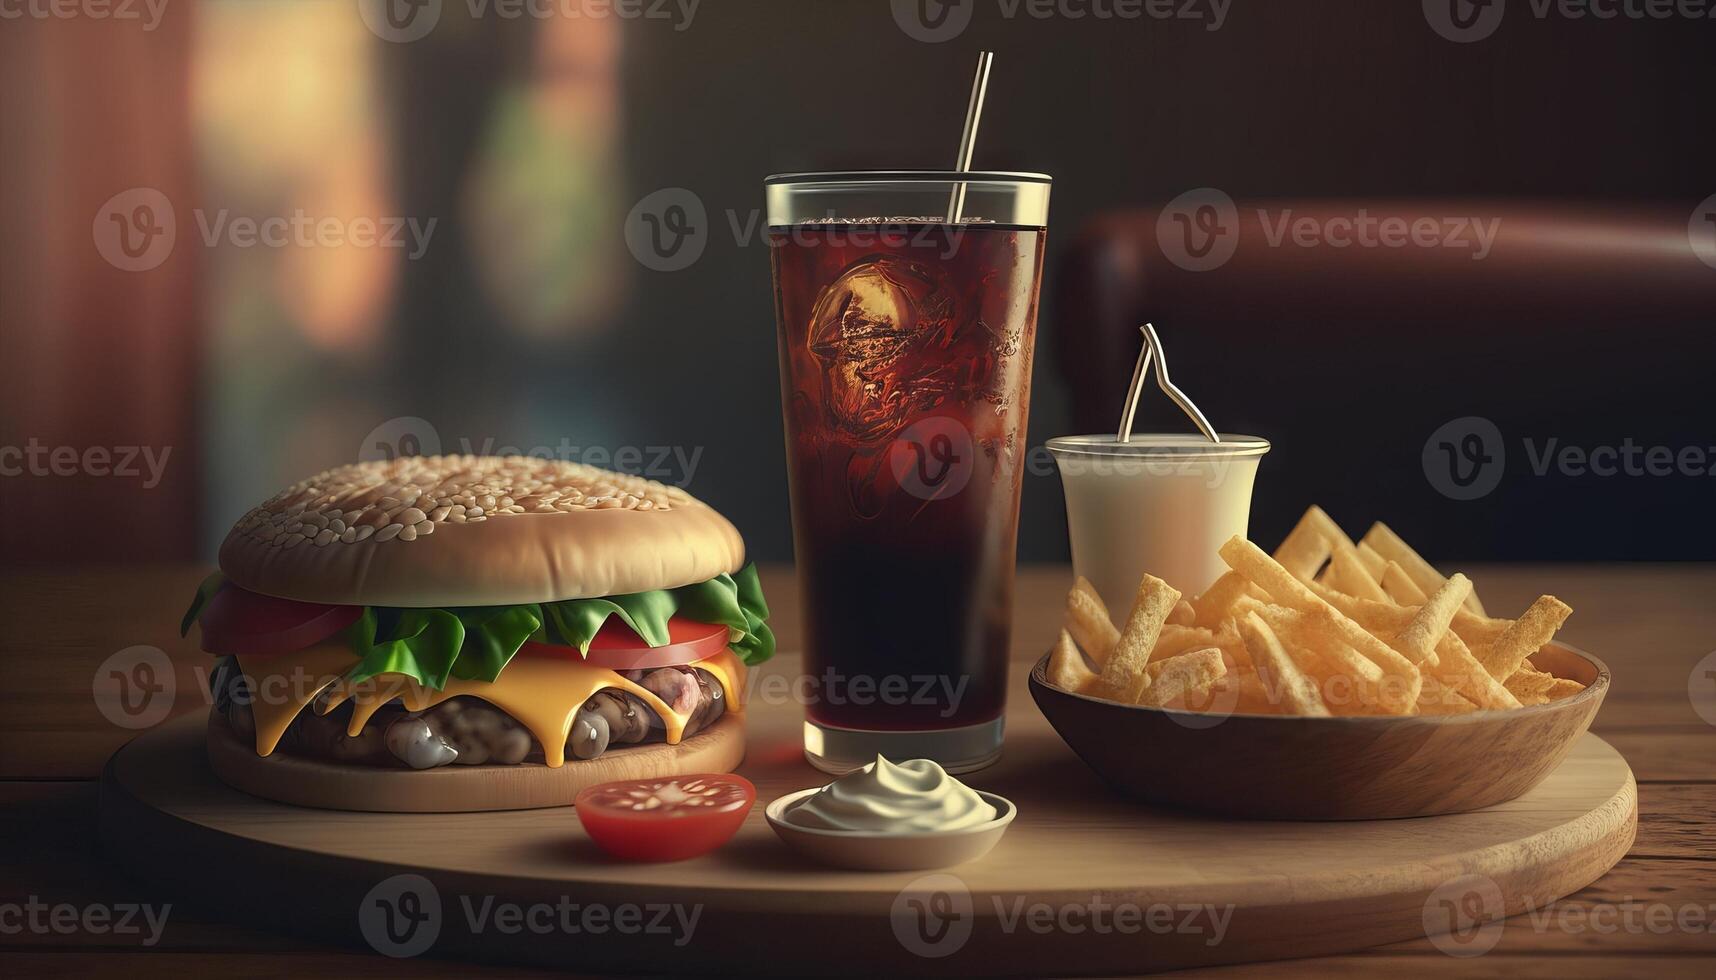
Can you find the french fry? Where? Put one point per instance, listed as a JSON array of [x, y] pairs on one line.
[[1123, 677], [1351, 576], [1177, 640], [1373, 562], [1430, 623], [1440, 699], [1183, 614], [1529, 684], [1188, 673], [1249, 560], [1456, 667], [1308, 545], [1524, 637], [1277, 670], [1089, 623], [1067, 669], [1397, 585], [1306, 632], [1216, 604], [1253, 698], [1392, 547], [1387, 619], [1325, 627]]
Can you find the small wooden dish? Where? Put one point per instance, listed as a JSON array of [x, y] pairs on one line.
[[1350, 768], [862, 851]]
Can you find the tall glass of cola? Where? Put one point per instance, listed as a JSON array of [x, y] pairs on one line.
[[905, 350]]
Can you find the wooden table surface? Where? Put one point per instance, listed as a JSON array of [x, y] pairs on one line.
[[1654, 913]]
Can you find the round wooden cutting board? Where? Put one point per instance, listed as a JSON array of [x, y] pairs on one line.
[[1083, 882]]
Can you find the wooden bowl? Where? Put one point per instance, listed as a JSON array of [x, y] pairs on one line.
[[1351, 768]]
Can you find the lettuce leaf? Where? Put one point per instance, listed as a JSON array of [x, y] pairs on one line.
[[422, 644], [477, 642], [492, 635], [205, 592], [733, 601]]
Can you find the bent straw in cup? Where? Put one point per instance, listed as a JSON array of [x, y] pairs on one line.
[[1161, 503]]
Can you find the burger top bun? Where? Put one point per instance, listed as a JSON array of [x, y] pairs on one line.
[[475, 531]]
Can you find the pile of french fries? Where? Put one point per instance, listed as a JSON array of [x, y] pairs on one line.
[[1323, 627]]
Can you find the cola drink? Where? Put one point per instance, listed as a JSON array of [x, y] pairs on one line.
[[905, 353]]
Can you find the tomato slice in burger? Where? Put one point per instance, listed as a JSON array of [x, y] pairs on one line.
[[616, 647], [237, 621], [667, 819]]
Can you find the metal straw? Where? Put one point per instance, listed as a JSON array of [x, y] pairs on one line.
[[968, 141], [1153, 350], [1132, 391]]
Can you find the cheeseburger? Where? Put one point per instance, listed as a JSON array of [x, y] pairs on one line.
[[470, 611]]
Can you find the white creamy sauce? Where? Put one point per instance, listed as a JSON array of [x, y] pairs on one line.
[[913, 797]]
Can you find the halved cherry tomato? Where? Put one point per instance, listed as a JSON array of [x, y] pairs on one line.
[[616, 647], [238, 621], [666, 819]]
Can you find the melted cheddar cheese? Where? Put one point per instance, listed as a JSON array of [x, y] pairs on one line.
[[542, 693]]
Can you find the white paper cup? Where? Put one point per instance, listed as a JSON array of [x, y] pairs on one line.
[[1160, 504]]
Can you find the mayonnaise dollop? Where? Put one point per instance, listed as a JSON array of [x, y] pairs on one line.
[[913, 797]]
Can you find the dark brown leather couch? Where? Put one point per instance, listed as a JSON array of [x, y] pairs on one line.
[[1567, 328]]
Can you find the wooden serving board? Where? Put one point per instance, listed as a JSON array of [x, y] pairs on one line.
[[1084, 882]]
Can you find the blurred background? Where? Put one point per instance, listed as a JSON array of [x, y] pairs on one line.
[[241, 241]]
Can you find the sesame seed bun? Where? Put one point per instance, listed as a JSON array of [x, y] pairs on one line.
[[475, 531]]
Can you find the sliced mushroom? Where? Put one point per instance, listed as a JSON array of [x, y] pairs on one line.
[[590, 734], [413, 742]]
